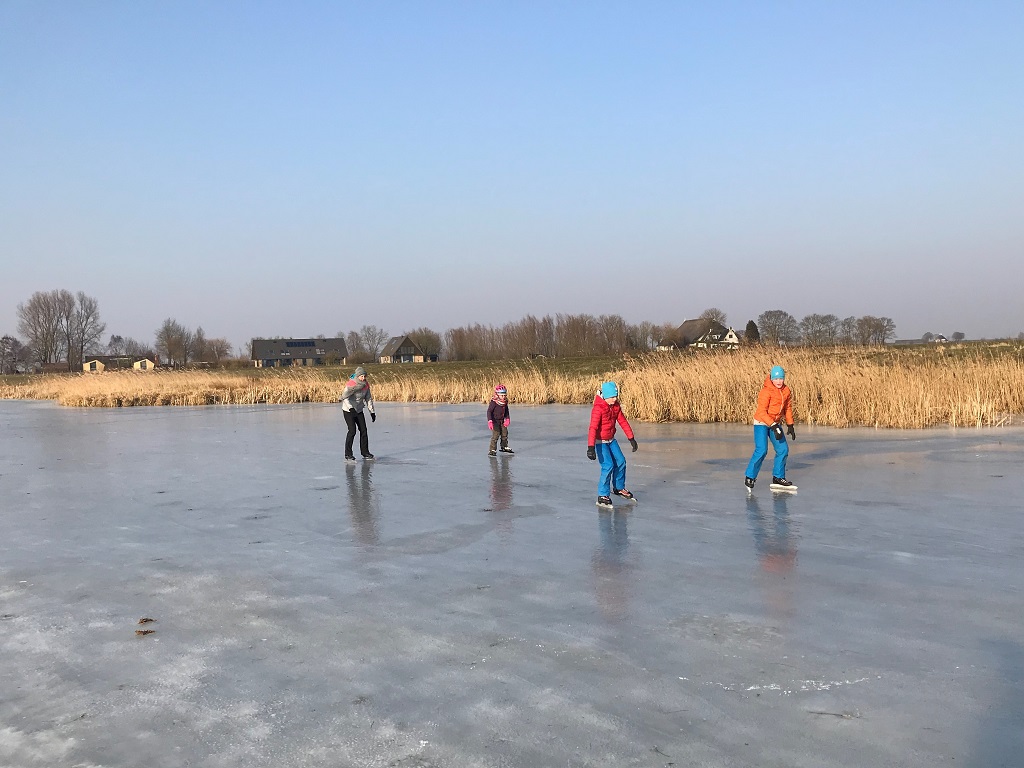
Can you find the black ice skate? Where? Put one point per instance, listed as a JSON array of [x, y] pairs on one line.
[[782, 484]]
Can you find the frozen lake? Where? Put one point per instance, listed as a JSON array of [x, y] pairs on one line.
[[441, 608]]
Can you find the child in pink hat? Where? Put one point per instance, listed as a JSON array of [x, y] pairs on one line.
[[498, 420]]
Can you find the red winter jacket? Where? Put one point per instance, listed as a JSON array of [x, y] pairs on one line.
[[603, 418]]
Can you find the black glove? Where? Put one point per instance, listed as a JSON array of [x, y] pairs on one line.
[[777, 431], [373, 417], [632, 442], [792, 431], [591, 453]]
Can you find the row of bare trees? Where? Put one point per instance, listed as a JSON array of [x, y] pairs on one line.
[[61, 326], [553, 336], [777, 326], [179, 346]]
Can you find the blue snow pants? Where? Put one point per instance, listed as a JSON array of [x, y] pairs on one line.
[[613, 467], [761, 437]]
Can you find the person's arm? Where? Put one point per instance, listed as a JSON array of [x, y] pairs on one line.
[[595, 426], [626, 429], [787, 410], [508, 419], [764, 399]]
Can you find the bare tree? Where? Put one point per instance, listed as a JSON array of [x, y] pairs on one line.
[[427, 340], [713, 313], [354, 345], [39, 323], [874, 330], [133, 348], [374, 339], [12, 354], [174, 341], [958, 336], [645, 335], [927, 336], [115, 346], [64, 304], [86, 330], [218, 349], [778, 327], [199, 350], [848, 330], [819, 330]]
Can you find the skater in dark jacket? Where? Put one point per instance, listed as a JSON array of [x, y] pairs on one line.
[[774, 405], [498, 420], [354, 398], [601, 444]]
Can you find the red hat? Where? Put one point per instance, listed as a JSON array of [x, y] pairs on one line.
[[500, 390]]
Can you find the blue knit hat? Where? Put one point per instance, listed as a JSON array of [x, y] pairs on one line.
[[778, 373], [609, 389]]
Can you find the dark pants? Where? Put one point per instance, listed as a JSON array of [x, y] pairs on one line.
[[354, 420]]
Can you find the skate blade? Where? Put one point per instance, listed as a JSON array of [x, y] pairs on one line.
[[775, 487]]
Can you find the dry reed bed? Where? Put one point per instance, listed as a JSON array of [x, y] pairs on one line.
[[837, 389]]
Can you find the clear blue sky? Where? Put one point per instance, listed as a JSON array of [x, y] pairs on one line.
[[272, 168]]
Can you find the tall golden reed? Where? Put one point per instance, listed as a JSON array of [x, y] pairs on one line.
[[837, 388]]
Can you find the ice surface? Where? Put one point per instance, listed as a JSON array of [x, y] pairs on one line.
[[438, 607]]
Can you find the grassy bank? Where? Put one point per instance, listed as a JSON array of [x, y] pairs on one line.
[[964, 386]]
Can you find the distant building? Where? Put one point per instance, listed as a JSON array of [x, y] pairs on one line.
[[701, 333], [281, 353], [100, 363], [402, 349]]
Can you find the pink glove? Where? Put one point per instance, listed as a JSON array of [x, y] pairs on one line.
[[490, 425], [506, 422]]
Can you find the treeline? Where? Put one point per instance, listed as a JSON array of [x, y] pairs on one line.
[[777, 326], [553, 336]]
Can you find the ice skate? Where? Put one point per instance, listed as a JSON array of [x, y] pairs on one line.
[[782, 484]]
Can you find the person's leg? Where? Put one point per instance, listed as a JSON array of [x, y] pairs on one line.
[[619, 471], [781, 454], [503, 431], [760, 450], [364, 439], [350, 420], [604, 456], [495, 434]]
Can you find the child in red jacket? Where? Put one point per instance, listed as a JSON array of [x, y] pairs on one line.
[[601, 444], [498, 420]]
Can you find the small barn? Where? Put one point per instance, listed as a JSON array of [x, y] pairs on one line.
[[282, 353]]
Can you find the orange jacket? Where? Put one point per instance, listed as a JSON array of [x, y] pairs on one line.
[[773, 403]]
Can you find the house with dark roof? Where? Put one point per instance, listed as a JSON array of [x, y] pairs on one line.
[[701, 333], [402, 349], [281, 353]]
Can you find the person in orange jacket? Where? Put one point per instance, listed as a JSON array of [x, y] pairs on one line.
[[774, 405], [601, 444]]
